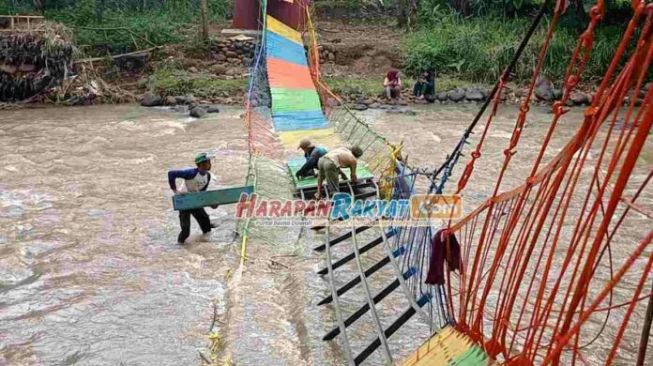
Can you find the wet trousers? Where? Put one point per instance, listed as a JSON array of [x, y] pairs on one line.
[[200, 216], [329, 171]]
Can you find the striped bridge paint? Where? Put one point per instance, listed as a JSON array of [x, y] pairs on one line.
[[448, 347], [295, 103]]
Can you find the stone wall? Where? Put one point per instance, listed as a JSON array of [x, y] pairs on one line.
[[233, 51]]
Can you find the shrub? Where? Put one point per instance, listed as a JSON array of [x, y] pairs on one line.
[[478, 49]]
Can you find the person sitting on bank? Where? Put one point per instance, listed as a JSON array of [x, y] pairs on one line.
[[425, 86], [312, 154], [392, 84], [330, 168], [195, 180]]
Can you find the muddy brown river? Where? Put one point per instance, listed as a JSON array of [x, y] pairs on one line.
[[90, 272]]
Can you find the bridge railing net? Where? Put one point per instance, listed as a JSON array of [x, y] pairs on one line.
[[554, 271], [266, 152]]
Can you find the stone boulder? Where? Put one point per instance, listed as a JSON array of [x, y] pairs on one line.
[[544, 89], [218, 69], [170, 100], [197, 112], [132, 62], [232, 72], [213, 109], [442, 96], [474, 95], [151, 100], [579, 98], [187, 99], [359, 107], [456, 95]]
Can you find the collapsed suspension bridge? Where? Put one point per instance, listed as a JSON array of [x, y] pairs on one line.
[[530, 275]]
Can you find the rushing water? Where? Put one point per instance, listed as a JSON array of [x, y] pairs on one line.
[[90, 272]]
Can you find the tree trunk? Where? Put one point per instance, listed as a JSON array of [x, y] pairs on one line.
[[99, 9], [580, 9], [462, 7], [407, 11], [204, 13], [402, 13], [38, 6]]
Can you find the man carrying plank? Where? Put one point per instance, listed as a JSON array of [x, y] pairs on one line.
[[330, 168], [195, 180]]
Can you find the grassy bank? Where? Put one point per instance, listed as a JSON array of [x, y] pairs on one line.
[[169, 78], [477, 49]]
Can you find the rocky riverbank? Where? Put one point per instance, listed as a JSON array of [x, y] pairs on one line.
[[544, 94], [198, 75]]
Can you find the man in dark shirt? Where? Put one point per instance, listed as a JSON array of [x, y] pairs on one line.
[[312, 154]]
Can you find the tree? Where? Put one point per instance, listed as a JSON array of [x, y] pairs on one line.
[[204, 10], [38, 6], [406, 12], [462, 7], [580, 9]]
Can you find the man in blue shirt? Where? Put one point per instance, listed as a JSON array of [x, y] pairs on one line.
[[195, 180], [312, 154]]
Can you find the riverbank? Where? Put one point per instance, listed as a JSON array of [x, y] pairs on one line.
[[352, 65], [216, 73]]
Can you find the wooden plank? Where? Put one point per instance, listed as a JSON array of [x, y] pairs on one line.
[[22, 16], [209, 198]]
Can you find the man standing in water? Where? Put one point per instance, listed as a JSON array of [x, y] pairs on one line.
[[330, 168], [312, 154], [195, 180]]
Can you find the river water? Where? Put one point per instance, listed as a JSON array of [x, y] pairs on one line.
[[90, 272]]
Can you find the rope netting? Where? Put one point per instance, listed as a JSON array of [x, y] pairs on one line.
[[544, 264], [266, 170]]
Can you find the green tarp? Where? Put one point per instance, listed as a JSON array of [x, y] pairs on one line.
[[209, 198], [295, 164]]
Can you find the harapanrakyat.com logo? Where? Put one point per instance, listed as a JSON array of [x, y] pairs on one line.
[[344, 210]]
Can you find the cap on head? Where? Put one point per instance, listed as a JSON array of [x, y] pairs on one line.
[[357, 151], [305, 144], [201, 157]]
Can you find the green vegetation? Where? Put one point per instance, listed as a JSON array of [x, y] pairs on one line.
[[170, 79], [348, 85], [478, 49], [474, 40], [117, 26]]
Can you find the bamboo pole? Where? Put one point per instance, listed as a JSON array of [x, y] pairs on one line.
[[204, 10], [646, 332]]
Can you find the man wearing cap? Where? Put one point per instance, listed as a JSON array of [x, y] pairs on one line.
[[195, 180], [330, 166], [312, 154]]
